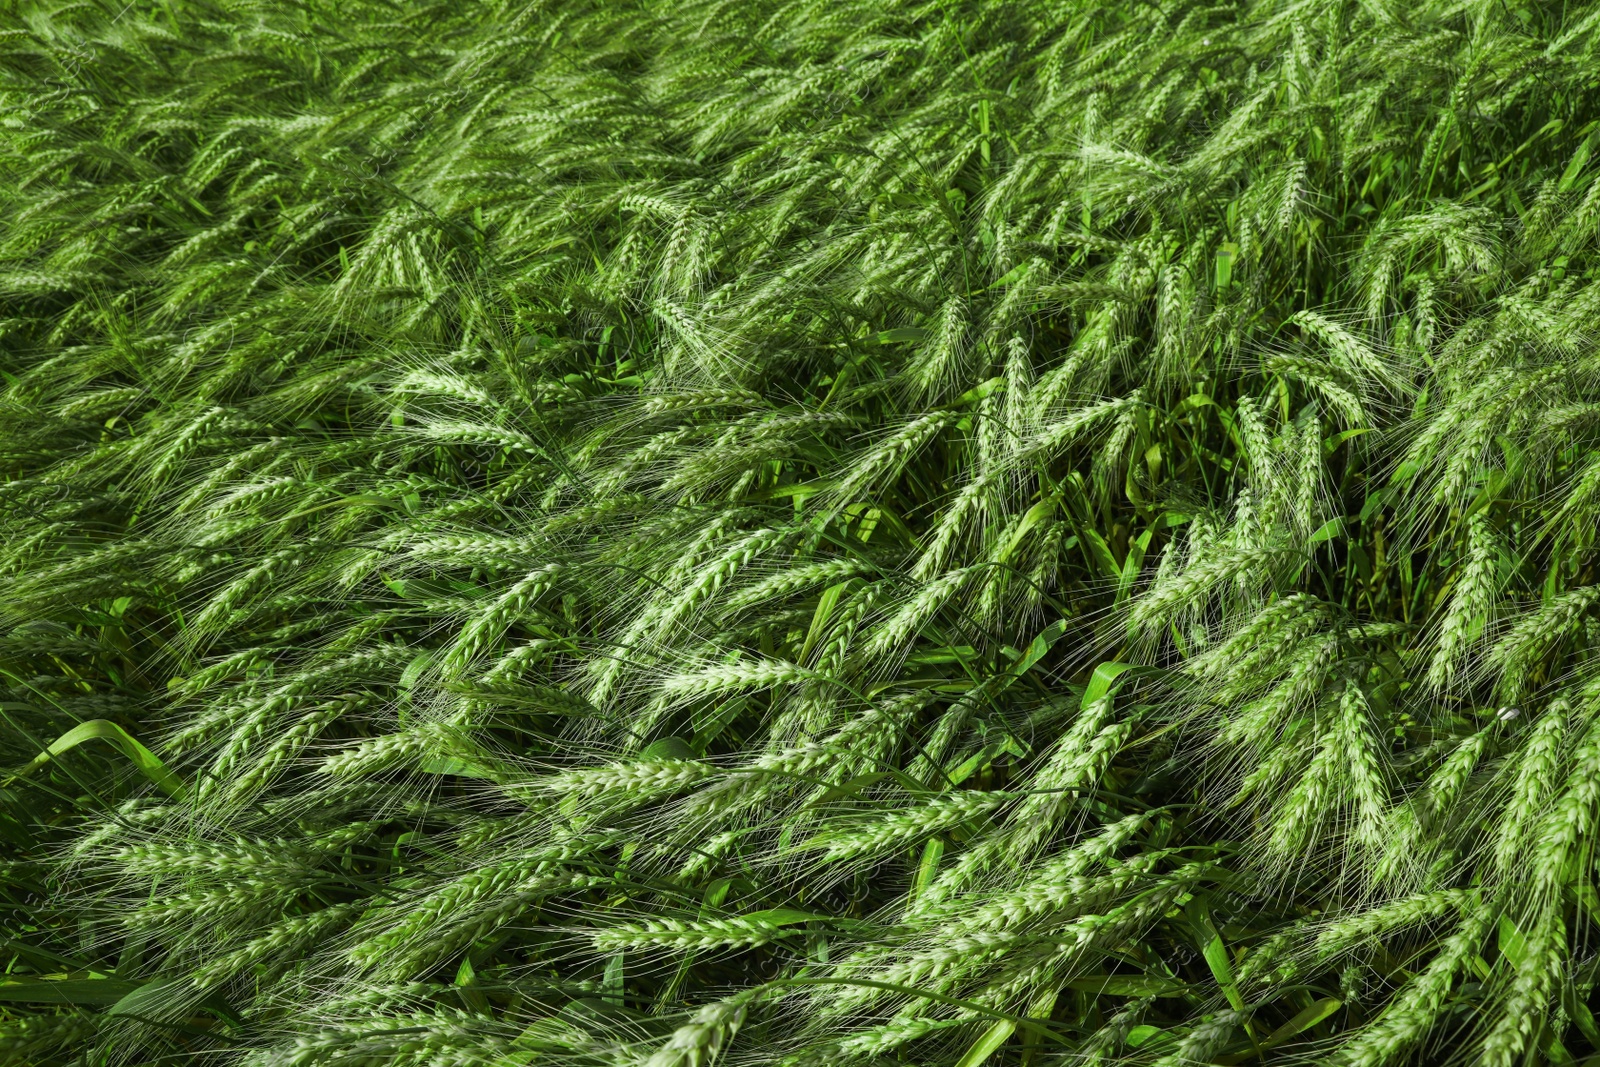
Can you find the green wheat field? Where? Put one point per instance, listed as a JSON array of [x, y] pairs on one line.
[[836, 533]]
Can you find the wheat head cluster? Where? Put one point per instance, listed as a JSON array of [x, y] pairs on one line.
[[821, 533]]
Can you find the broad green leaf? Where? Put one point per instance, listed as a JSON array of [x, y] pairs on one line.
[[900, 334], [1130, 985], [153, 1000], [1146, 1034], [928, 867], [1225, 257], [1327, 531], [1575, 165], [1035, 515], [985, 1046], [826, 605], [87, 992], [1512, 943], [1215, 953], [106, 730], [1103, 682], [454, 765], [1133, 564], [1304, 1020], [1038, 647], [784, 917], [978, 392], [611, 979], [668, 748], [850, 788]]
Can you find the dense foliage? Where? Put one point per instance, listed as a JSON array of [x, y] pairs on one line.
[[820, 533]]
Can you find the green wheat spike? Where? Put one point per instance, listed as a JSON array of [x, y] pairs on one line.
[[979, 533]]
